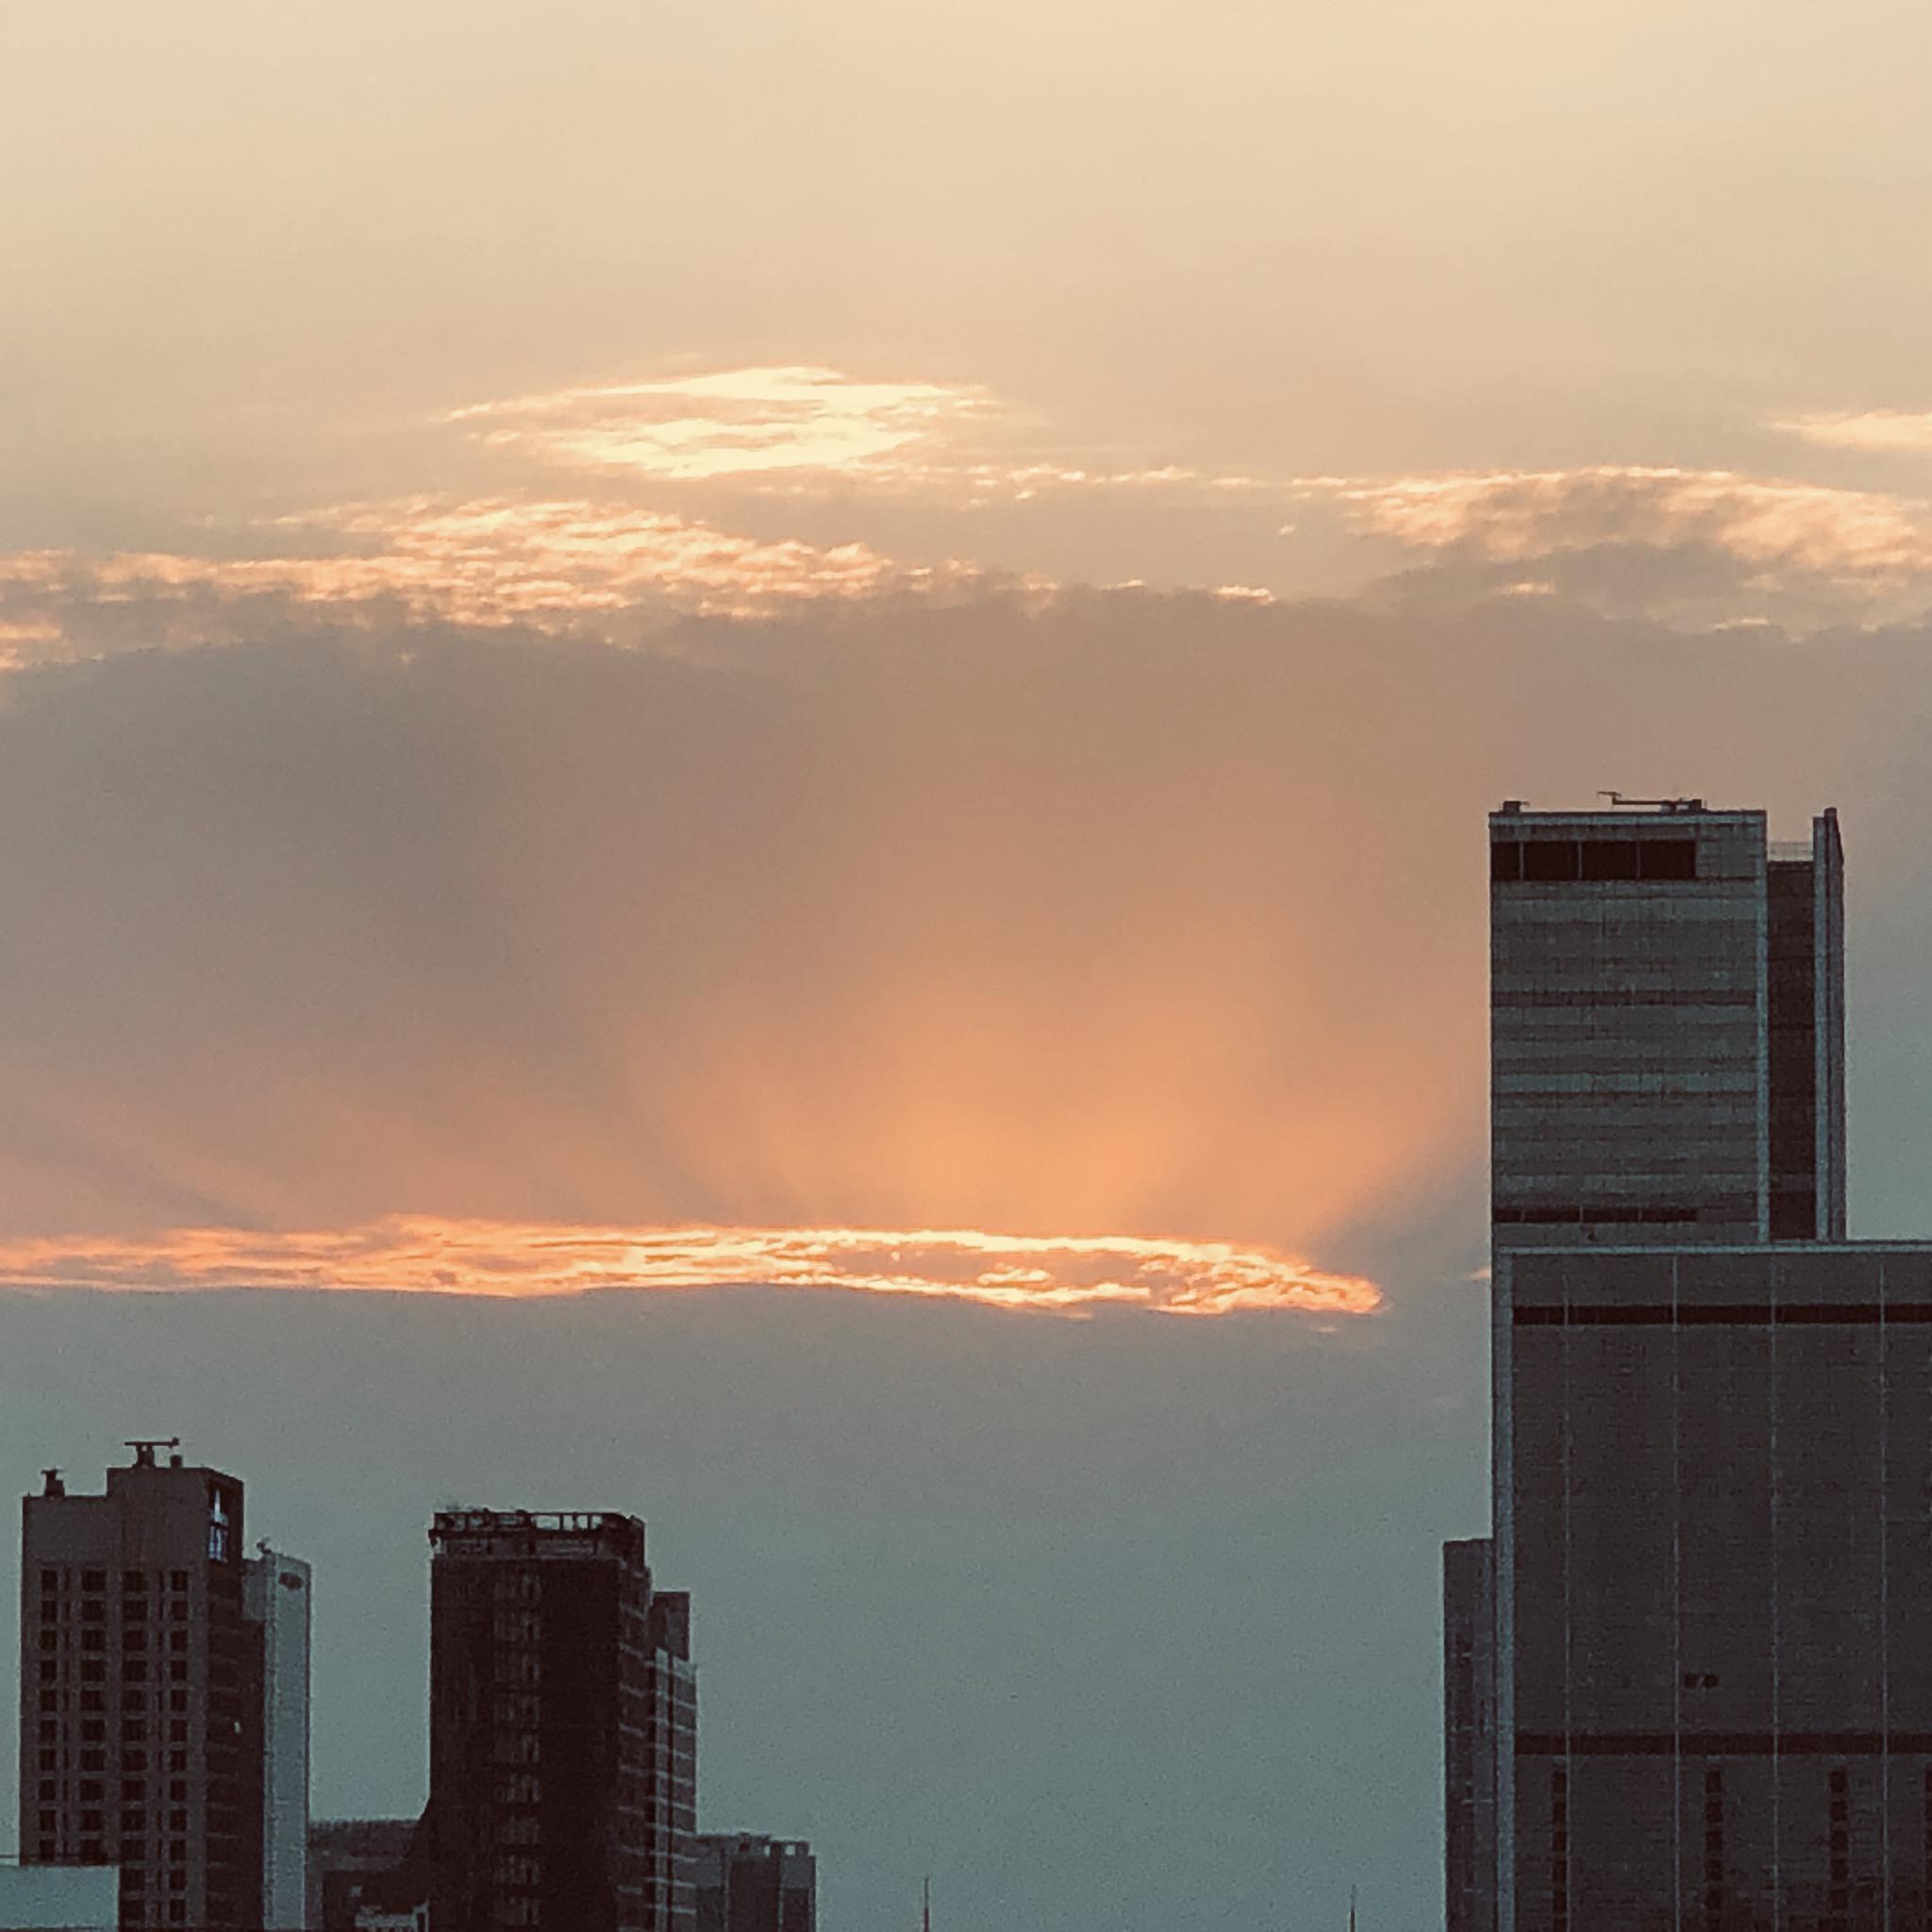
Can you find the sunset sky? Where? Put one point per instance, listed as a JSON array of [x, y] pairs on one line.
[[741, 766]]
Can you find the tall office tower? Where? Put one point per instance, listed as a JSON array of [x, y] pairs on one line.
[[1667, 1027], [563, 1727], [1469, 1734], [142, 1722], [1712, 1560], [1714, 1588], [276, 1592], [747, 1884]]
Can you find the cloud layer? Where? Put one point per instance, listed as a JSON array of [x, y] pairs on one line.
[[1063, 1274]]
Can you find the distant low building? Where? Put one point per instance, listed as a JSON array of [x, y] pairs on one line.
[[356, 1866], [747, 1884], [59, 1898]]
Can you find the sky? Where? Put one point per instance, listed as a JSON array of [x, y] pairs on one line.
[[743, 756]]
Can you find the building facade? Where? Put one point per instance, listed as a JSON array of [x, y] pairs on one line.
[[358, 1863], [747, 1884], [276, 1592], [143, 1721], [1666, 1027], [563, 1727], [1684, 1642], [1714, 1559], [1469, 1734]]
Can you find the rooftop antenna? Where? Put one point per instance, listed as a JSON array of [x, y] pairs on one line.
[[1618, 800], [925, 1908], [145, 1447]]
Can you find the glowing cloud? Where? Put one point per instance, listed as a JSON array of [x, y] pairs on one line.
[[729, 423], [546, 563], [1890, 431], [1521, 515], [1057, 1275]]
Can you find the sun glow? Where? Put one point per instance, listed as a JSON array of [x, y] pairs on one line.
[[413, 1253]]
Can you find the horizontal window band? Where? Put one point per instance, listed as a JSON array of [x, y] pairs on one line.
[[1586, 997], [1720, 1314], [1651, 1214], [1724, 1744]]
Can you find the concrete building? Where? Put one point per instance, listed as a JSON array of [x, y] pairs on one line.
[[1700, 1624], [1469, 1734], [143, 1715], [276, 1592], [1714, 1563], [59, 1898], [563, 1727], [747, 1884], [1666, 1027], [356, 1864]]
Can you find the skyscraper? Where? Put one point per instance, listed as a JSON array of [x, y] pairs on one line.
[[1666, 1027], [1712, 1563], [144, 1717], [563, 1727], [276, 1592]]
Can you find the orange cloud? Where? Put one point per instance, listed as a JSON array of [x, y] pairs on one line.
[[729, 423], [1886, 431], [1059, 1274], [491, 561], [1762, 522]]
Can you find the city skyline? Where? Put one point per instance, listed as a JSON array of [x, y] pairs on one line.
[[743, 756]]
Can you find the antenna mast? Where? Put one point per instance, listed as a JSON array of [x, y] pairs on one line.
[[925, 1908]]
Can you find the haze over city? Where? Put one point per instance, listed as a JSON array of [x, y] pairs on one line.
[[742, 768]]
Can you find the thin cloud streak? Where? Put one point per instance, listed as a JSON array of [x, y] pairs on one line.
[[1878, 431], [1517, 515], [1055, 1274]]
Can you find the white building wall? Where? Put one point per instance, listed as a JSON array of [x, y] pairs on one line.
[[278, 1590], [59, 1898]]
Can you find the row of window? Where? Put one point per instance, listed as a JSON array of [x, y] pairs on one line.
[[95, 1637], [133, 1791], [94, 1670], [1559, 861], [96, 1700], [55, 1578], [134, 1824], [1568, 1214], [94, 1609], [94, 1758]]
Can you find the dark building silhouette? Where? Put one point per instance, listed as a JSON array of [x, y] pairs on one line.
[[563, 1727], [756, 1884], [381, 1861], [147, 1718], [1712, 1558], [1469, 1733]]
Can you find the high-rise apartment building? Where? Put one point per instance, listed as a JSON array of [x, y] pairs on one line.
[[563, 1727], [1712, 1566], [276, 1592], [144, 1720], [1666, 1027], [748, 1884]]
